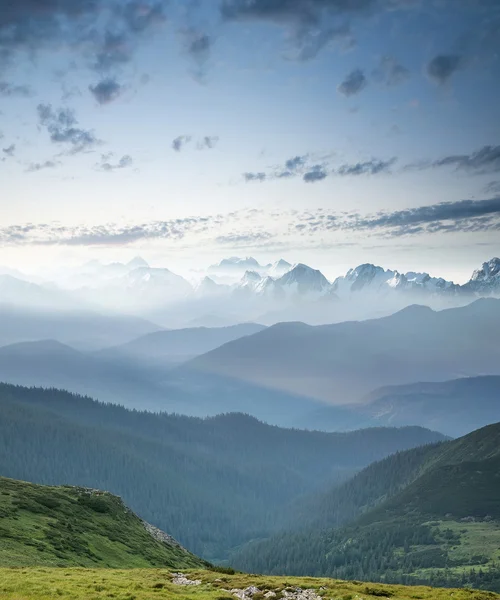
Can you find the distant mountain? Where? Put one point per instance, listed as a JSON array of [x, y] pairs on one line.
[[452, 407], [375, 280], [22, 293], [147, 384], [51, 364], [86, 330], [341, 363], [429, 515], [212, 483], [278, 268], [80, 527], [170, 347], [487, 279]]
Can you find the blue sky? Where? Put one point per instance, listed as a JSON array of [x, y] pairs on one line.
[[164, 128]]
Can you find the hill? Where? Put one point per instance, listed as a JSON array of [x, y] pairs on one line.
[[212, 483], [81, 527], [341, 363], [429, 515]]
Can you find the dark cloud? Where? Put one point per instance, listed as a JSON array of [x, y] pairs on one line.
[[180, 141], [485, 160], [354, 83], [308, 43], [9, 151], [10, 90], [254, 177], [292, 164], [311, 172], [464, 215], [390, 72], [107, 166], [317, 173], [198, 46], [370, 167], [300, 12], [312, 24], [441, 68], [208, 142], [113, 49], [61, 124], [48, 164], [493, 188], [106, 91], [108, 30]]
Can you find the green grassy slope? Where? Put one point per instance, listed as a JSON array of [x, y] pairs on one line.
[[428, 515], [71, 526], [145, 584]]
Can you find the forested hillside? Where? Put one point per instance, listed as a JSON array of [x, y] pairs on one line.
[[212, 483], [428, 515]]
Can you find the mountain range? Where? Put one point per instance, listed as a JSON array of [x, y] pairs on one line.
[[435, 369], [241, 290]]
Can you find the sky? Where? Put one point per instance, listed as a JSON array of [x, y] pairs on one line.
[[332, 132]]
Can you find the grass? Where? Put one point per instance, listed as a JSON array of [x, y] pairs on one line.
[[68, 526], [149, 584]]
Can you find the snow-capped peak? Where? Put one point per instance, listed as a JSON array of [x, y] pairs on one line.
[[487, 278], [304, 279], [279, 268], [136, 263]]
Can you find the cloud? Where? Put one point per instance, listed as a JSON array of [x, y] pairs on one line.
[[493, 188], [354, 83], [254, 177], [106, 91], [243, 239], [11, 90], [198, 46], [370, 167], [106, 235], [61, 124], [9, 151], [81, 25], [208, 142], [105, 164], [312, 24], [463, 215], [48, 164], [113, 50], [485, 160], [306, 165], [390, 72], [303, 12], [317, 173], [442, 67], [180, 141]]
